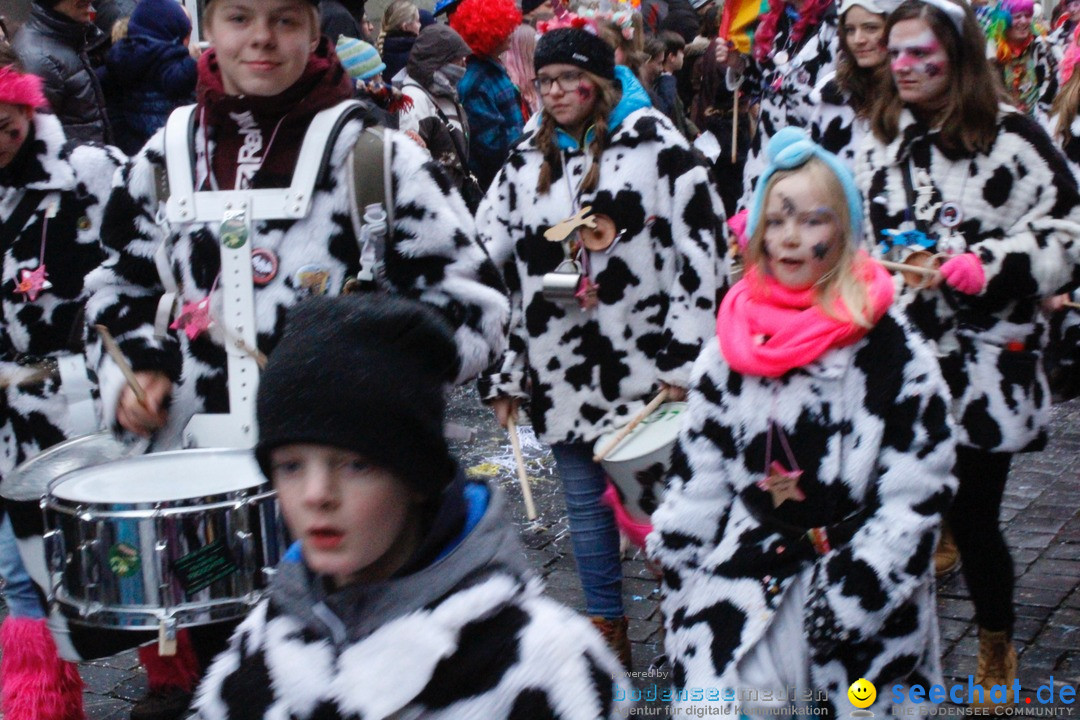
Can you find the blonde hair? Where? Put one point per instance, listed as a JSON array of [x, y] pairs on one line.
[[120, 29], [394, 18], [840, 283], [607, 97], [312, 12]]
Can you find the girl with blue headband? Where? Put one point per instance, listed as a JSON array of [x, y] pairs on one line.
[[812, 470], [982, 186]]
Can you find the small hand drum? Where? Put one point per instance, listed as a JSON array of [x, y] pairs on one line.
[[638, 465]]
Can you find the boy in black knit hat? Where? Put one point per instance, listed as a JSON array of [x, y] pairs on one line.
[[406, 593]]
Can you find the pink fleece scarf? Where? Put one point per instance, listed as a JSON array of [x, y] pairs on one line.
[[767, 329]]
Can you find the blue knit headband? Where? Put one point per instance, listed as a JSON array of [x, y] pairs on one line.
[[791, 148]]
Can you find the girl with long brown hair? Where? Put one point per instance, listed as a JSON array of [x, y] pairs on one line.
[[841, 117], [949, 171], [605, 317]]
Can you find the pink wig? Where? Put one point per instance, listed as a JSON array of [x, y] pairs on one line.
[[18, 88]]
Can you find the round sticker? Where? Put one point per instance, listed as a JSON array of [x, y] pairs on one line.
[[264, 266], [781, 58], [234, 232], [123, 559], [313, 279], [84, 223], [951, 215]]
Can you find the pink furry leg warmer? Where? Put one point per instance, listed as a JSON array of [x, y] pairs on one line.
[[171, 671], [37, 684]]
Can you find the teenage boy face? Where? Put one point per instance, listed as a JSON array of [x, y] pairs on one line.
[[355, 521], [262, 45], [77, 10]]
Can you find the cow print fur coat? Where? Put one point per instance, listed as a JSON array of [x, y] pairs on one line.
[[869, 427], [68, 186], [431, 255], [834, 124], [1019, 211], [588, 371]]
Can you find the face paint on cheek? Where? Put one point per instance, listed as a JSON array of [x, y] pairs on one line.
[[15, 135], [820, 250], [584, 92], [932, 70]]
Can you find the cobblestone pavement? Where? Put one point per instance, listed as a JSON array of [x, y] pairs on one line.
[[1041, 515]]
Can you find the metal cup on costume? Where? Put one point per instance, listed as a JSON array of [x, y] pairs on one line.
[[562, 284]]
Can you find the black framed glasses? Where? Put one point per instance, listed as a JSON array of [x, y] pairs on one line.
[[567, 81]]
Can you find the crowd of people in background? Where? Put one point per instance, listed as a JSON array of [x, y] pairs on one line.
[[584, 204]]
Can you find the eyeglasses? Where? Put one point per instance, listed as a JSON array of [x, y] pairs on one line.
[[566, 81]]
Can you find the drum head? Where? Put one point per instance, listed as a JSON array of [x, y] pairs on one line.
[[656, 431], [30, 481], [162, 477]]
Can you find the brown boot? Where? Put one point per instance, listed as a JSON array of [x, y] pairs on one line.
[[614, 632], [997, 666], [947, 555]]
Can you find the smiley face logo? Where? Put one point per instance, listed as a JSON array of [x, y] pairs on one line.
[[862, 693]]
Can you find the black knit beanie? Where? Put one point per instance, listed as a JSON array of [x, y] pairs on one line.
[[365, 374], [574, 46]]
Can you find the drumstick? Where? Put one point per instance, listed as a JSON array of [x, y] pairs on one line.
[[734, 128], [121, 362], [903, 267], [526, 491], [645, 412], [1070, 304]]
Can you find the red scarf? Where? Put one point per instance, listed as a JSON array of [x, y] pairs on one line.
[[242, 126], [767, 329]]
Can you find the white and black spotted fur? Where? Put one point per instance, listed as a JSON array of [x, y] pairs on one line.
[[431, 255], [74, 181], [785, 92], [869, 427], [469, 637], [833, 122], [588, 371], [1021, 216]]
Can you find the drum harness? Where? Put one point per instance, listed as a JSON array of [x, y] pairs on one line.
[[180, 204]]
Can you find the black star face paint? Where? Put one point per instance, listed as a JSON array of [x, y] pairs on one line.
[[800, 231]]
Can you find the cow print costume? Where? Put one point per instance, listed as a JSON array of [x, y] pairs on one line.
[[469, 637], [869, 427], [589, 371], [431, 255], [1020, 213], [67, 187]]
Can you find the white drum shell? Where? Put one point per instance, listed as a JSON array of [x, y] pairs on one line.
[[189, 545], [638, 465]]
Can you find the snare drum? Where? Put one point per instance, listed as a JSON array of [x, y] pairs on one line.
[[638, 465], [172, 539], [25, 488]]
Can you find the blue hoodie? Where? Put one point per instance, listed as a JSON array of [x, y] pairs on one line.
[[634, 98], [149, 72]]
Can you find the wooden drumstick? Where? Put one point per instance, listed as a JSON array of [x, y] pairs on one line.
[[523, 478], [735, 128], [121, 362], [645, 412], [904, 267], [1071, 304]]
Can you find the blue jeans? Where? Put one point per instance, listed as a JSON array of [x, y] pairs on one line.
[[19, 592], [593, 533]]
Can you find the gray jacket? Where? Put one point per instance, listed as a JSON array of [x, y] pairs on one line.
[[57, 50]]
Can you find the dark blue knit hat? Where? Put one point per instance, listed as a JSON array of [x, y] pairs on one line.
[[159, 19]]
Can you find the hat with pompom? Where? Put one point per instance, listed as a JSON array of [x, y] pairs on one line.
[[361, 59]]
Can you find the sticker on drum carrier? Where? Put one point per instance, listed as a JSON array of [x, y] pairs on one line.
[[198, 570], [123, 560]]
